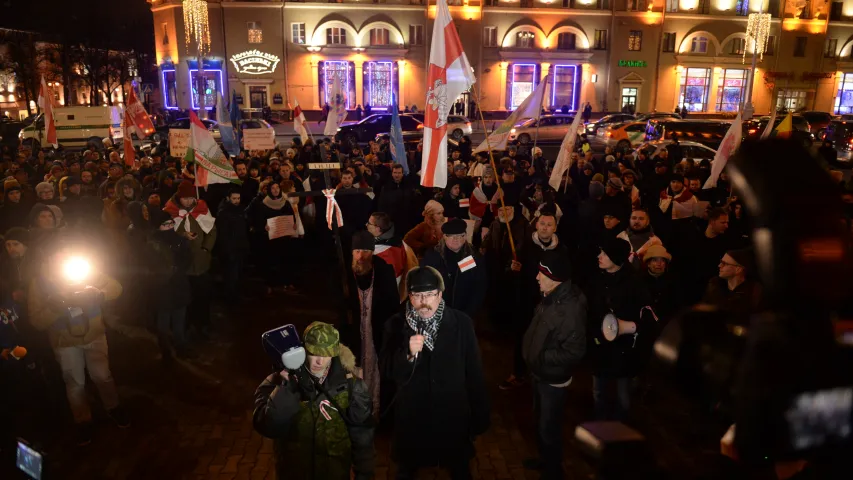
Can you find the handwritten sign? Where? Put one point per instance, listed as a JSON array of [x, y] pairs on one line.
[[324, 166], [281, 226], [258, 139], [179, 141]]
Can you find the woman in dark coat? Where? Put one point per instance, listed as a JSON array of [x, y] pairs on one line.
[[450, 200], [278, 254]]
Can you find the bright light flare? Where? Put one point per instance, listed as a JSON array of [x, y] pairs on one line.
[[76, 269]]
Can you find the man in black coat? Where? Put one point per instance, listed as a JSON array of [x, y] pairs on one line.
[[249, 187], [431, 354], [232, 242], [397, 200], [554, 345], [462, 269]]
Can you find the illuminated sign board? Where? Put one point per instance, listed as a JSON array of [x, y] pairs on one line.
[[254, 62], [633, 63]]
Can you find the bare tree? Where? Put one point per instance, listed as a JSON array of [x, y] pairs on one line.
[[27, 60]]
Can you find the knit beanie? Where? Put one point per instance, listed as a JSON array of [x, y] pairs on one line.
[[432, 207], [18, 234], [44, 187], [186, 189], [616, 249]]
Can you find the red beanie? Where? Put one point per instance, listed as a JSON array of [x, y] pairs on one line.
[[186, 189]]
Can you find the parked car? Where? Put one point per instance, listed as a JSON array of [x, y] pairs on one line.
[[817, 121], [592, 127], [694, 150], [457, 125], [645, 117], [377, 124], [77, 127], [706, 132], [162, 132], [623, 135], [551, 128], [801, 131], [840, 132]]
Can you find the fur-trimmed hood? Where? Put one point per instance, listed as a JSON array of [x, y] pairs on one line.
[[347, 359]]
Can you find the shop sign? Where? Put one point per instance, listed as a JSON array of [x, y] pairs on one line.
[[633, 63], [254, 62], [817, 75], [277, 99]]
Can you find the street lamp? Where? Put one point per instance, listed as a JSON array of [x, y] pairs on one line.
[[758, 31], [197, 29]]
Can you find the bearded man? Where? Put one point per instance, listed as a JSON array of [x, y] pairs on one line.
[[373, 299]]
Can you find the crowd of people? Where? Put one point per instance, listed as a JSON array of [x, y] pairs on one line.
[[632, 236]]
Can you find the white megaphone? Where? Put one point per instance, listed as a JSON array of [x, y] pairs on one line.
[[612, 327]]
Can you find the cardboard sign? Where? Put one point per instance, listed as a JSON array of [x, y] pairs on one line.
[[179, 141], [281, 226], [258, 139]]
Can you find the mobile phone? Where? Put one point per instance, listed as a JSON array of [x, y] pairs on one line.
[[284, 348], [29, 460]]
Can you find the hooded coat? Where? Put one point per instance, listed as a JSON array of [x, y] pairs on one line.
[[13, 214], [233, 227]]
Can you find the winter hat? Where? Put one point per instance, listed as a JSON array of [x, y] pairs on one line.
[[459, 167], [363, 240], [424, 279], [610, 159], [432, 207], [656, 251], [18, 234], [596, 189], [488, 171], [73, 180], [322, 340], [615, 183], [57, 214], [616, 249], [676, 177], [11, 184], [44, 187], [116, 165], [36, 211], [456, 226], [555, 266], [537, 150], [186, 189], [598, 178], [629, 172]]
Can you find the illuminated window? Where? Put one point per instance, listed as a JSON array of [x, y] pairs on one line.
[[170, 89], [336, 36], [256, 35], [212, 84], [336, 78], [524, 80], [566, 41], [601, 39], [699, 45], [731, 89], [672, 6], [416, 34], [525, 39], [563, 88], [831, 46], [694, 86], [668, 41], [742, 8], [378, 36], [380, 83], [635, 41], [297, 33], [738, 45], [844, 100], [490, 36], [792, 100]]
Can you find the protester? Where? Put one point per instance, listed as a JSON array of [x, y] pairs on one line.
[[734, 291], [390, 247], [232, 242], [640, 236], [427, 234], [461, 268]]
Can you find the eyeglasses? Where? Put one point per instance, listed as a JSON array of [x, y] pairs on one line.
[[729, 264], [424, 295]]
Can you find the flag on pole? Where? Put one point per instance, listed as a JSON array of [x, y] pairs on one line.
[[783, 130], [728, 146], [398, 148], [769, 128], [138, 119], [204, 151], [226, 128], [46, 105], [338, 112], [127, 141], [299, 122], [235, 116], [448, 75], [531, 107], [564, 158]]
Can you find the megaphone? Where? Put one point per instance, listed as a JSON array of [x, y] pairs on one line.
[[284, 348], [612, 327]]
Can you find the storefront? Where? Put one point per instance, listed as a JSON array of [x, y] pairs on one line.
[[562, 90]]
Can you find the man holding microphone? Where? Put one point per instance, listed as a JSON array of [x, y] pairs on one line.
[[431, 354]]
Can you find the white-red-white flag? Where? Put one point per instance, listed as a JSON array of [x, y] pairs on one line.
[[46, 105], [126, 126], [449, 75], [299, 122], [727, 147], [139, 119]]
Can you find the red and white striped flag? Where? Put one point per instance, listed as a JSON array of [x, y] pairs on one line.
[[46, 105], [449, 75], [466, 264], [299, 122], [126, 126]]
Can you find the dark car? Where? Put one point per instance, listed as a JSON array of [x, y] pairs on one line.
[[817, 121], [592, 127], [840, 133], [752, 129], [162, 132], [707, 132], [374, 125], [645, 117]]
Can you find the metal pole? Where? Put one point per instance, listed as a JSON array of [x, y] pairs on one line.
[[539, 117], [749, 109], [657, 61], [201, 86]]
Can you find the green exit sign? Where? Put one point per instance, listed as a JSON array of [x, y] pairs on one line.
[[633, 63]]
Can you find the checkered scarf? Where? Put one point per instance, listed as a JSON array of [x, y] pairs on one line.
[[430, 324]]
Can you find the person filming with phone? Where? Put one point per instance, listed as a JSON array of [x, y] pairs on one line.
[[319, 415]]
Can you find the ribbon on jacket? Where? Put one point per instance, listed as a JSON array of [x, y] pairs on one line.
[[332, 208]]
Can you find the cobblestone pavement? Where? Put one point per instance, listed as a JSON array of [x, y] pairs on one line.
[[192, 420]]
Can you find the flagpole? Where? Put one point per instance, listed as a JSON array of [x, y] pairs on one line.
[[538, 119], [497, 175]]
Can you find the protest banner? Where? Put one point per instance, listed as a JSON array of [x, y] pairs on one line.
[[179, 141], [281, 226]]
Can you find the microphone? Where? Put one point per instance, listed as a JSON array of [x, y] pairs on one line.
[[421, 327]]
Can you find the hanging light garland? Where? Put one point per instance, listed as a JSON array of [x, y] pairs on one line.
[[757, 30], [196, 25]]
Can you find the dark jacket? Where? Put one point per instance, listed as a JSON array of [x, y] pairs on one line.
[[13, 214], [168, 258], [233, 229], [397, 200], [386, 302], [442, 404], [463, 291], [308, 447], [530, 257], [555, 341]]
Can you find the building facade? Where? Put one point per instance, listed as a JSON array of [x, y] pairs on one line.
[[651, 54]]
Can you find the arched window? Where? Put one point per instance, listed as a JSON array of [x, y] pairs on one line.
[[699, 45], [525, 39]]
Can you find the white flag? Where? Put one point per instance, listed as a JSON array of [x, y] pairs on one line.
[[338, 107], [564, 158], [769, 128], [299, 122], [727, 147], [531, 107]]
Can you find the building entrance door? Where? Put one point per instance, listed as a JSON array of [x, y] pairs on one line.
[[629, 97]]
